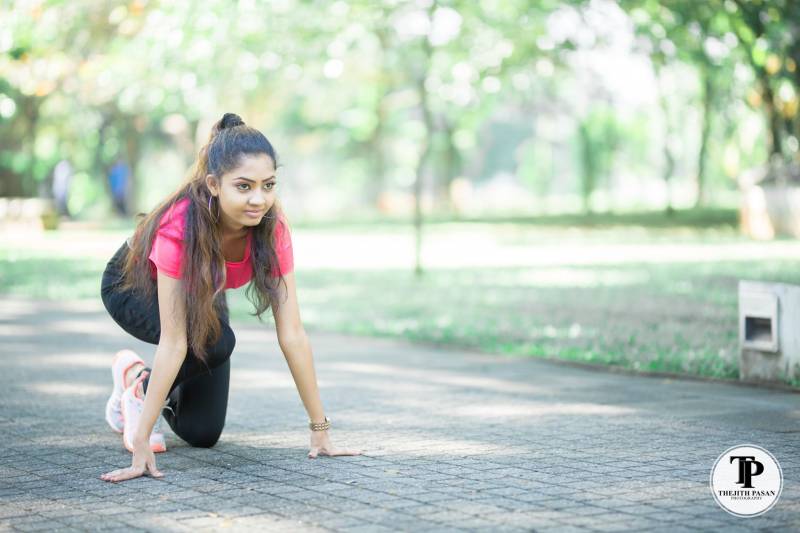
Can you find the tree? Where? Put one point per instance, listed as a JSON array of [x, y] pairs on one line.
[[714, 36]]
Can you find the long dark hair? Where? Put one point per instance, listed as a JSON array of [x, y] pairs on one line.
[[203, 261]]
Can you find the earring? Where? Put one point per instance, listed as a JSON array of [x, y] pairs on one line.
[[209, 208]]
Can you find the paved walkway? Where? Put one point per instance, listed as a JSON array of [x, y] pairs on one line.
[[453, 441]]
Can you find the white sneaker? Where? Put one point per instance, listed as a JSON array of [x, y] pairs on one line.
[[123, 361], [132, 406]]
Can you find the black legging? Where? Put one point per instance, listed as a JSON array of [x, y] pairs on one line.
[[199, 396]]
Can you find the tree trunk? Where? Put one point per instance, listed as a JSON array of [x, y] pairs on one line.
[[773, 118], [669, 157], [427, 119], [99, 163], [377, 159], [751, 15], [452, 167], [588, 167], [708, 100], [133, 153], [28, 185], [420, 174]]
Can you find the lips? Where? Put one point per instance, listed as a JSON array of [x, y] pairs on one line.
[[254, 214]]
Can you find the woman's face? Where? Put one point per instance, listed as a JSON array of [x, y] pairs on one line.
[[246, 192]]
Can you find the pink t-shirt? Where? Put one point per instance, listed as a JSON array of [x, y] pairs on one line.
[[166, 256]]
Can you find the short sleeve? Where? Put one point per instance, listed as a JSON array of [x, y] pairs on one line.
[[166, 254], [167, 250], [283, 248]]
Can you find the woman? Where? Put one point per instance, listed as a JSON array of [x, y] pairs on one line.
[[166, 285]]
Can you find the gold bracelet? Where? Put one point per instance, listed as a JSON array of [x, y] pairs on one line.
[[319, 426]]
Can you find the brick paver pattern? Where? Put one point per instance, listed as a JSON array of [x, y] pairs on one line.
[[453, 440]]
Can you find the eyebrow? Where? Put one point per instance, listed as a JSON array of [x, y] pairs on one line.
[[253, 181]]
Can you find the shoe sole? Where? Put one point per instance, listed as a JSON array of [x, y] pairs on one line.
[[108, 419], [111, 397]]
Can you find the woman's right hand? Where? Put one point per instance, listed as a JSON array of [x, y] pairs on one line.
[[143, 463]]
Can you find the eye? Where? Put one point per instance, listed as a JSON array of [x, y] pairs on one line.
[[269, 186]]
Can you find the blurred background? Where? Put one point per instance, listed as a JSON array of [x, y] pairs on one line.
[[583, 180]]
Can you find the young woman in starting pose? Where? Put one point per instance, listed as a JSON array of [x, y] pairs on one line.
[[166, 285]]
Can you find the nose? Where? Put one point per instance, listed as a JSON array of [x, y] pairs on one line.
[[257, 201]]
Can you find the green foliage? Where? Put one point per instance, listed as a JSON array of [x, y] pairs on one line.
[[345, 81], [597, 141], [717, 35]]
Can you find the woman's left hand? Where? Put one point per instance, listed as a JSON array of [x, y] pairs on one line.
[[321, 445]]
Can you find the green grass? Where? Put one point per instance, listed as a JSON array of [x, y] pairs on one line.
[[667, 315], [640, 326], [687, 218]]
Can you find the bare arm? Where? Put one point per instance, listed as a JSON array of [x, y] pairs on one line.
[[296, 348], [170, 353]]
